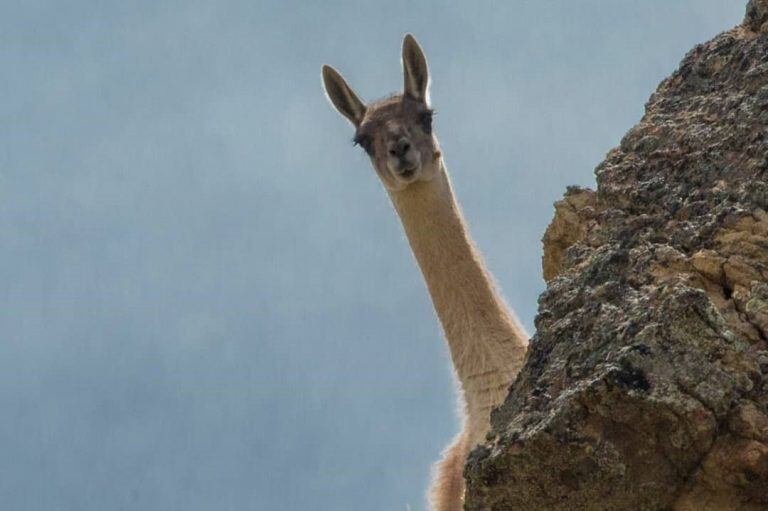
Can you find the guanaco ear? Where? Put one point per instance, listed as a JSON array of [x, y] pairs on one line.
[[415, 69], [342, 96]]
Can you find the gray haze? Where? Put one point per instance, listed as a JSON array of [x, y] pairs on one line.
[[207, 302]]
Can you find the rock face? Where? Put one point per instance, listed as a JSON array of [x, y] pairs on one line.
[[646, 385]]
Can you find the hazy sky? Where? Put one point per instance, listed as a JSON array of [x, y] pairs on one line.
[[207, 301]]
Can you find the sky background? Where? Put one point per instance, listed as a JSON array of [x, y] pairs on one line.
[[206, 299]]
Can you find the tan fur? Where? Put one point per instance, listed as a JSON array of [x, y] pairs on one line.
[[487, 346], [486, 342], [447, 492]]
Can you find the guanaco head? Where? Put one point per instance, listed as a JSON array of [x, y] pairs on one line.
[[395, 132]]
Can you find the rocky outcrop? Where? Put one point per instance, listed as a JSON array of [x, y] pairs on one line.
[[646, 384]]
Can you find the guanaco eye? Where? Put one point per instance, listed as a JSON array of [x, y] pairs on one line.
[[364, 141], [425, 120]]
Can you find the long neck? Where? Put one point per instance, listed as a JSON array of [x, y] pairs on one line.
[[483, 336]]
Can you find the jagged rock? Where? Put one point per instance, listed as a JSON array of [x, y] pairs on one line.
[[646, 384], [757, 15], [571, 223]]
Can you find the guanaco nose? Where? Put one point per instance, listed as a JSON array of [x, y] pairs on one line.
[[400, 147]]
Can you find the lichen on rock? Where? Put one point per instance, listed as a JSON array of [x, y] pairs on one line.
[[646, 384], [757, 15]]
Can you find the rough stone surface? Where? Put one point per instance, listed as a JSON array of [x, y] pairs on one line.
[[646, 385], [757, 15]]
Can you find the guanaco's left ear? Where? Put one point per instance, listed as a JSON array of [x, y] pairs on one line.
[[342, 96], [415, 70]]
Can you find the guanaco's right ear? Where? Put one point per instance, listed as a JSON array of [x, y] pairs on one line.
[[415, 70], [342, 96]]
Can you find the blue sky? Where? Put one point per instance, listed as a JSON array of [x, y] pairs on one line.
[[208, 302]]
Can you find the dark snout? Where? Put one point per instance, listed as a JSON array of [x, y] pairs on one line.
[[403, 157], [400, 147]]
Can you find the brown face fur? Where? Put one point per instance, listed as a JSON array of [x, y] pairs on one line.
[[395, 132], [397, 135]]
